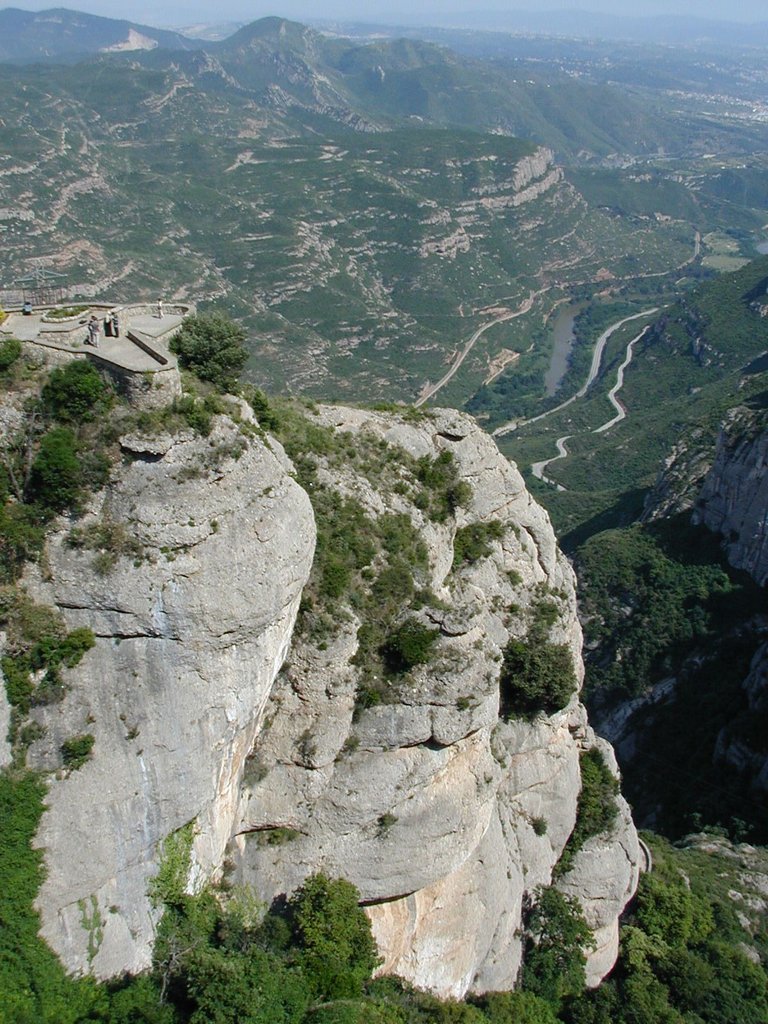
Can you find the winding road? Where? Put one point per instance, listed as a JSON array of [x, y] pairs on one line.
[[430, 390], [538, 467], [621, 412], [594, 369]]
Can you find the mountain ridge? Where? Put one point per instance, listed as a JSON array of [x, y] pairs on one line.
[[59, 33]]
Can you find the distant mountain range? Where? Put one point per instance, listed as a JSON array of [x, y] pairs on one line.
[[62, 35], [366, 206]]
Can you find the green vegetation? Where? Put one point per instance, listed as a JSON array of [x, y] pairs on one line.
[[63, 312], [536, 676], [682, 955], [111, 541], [75, 393], [557, 942], [337, 949], [220, 957], [32, 979], [473, 542], [10, 350], [76, 751], [441, 493], [37, 649], [650, 594], [687, 372], [54, 480], [169, 885], [408, 646], [375, 567], [59, 452], [596, 809], [213, 347], [21, 539], [661, 602]]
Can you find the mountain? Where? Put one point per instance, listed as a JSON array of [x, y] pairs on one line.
[[332, 196], [59, 34]]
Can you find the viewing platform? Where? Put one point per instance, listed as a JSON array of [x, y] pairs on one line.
[[139, 360]]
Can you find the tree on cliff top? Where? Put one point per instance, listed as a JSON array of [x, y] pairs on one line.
[[213, 347]]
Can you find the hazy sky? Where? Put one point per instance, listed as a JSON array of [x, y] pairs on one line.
[[187, 12]]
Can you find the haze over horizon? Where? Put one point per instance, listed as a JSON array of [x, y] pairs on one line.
[[178, 13]]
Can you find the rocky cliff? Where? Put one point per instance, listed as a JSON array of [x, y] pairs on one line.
[[733, 500], [445, 814]]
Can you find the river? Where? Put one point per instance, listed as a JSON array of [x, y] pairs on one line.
[[563, 338]]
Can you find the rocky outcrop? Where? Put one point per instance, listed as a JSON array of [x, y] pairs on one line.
[[445, 815], [533, 176], [189, 637], [604, 870], [678, 484], [733, 500]]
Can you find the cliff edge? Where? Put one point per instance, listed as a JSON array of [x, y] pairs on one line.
[[377, 739]]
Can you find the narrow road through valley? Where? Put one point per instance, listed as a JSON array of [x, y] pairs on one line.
[[594, 369], [538, 467], [431, 389], [621, 412]]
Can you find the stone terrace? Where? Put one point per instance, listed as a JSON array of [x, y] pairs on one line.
[[139, 359], [142, 346]]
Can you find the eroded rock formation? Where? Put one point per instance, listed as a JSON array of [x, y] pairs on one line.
[[733, 500], [444, 814]]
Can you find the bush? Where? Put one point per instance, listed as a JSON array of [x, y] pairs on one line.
[[517, 1008], [76, 751], [21, 539], [442, 491], [535, 676], [558, 937], [410, 645], [10, 350], [669, 911], [213, 347], [54, 481], [169, 885], [63, 312], [596, 809], [74, 393], [473, 542], [265, 414]]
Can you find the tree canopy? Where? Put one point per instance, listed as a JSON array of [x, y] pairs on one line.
[[213, 347]]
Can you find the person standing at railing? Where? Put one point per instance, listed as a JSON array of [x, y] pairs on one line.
[[94, 329]]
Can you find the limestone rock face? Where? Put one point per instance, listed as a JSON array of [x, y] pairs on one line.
[[603, 871], [443, 814], [189, 638], [5, 718], [733, 500], [446, 815]]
